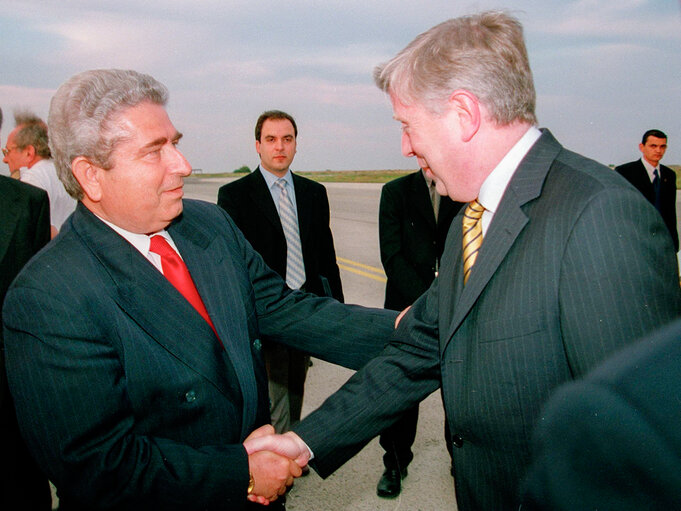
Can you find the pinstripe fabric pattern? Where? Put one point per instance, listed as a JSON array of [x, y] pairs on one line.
[[295, 268], [575, 265], [472, 236], [145, 409]]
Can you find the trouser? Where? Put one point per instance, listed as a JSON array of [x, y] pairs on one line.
[[24, 484], [397, 440], [286, 372]]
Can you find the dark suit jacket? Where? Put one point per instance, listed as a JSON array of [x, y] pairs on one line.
[[637, 175], [24, 229], [250, 204], [124, 395], [411, 241], [568, 273], [611, 441]]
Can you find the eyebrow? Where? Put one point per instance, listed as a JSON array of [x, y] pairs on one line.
[[160, 141]]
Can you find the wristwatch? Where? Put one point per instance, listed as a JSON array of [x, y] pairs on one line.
[[251, 484]]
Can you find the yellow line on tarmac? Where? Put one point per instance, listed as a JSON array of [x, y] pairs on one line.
[[372, 273]]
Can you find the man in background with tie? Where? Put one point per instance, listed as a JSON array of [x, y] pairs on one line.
[[656, 182], [286, 219], [413, 220], [136, 368], [552, 268]]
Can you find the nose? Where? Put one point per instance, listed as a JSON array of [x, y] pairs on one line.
[[179, 163], [406, 146]]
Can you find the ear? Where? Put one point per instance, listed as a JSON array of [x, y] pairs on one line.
[[29, 151], [257, 147], [88, 176], [640, 147], [467, 107]]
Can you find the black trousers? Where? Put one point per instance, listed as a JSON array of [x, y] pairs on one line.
[[398, 439]]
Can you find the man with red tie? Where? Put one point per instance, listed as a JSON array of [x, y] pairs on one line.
[[133, 342]]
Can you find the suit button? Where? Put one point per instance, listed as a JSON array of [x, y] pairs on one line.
[[257, 344], [457, 441], [190, 396]]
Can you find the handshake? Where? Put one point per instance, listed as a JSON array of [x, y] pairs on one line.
[[273, 462]]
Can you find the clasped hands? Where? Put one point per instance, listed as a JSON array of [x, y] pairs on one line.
[[274, 461]]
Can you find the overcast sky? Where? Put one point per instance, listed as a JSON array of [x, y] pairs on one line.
[[605, 71]]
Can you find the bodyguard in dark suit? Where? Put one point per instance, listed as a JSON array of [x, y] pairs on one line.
[[411, 238], [656, 182], [254, 203], [136, 367], [24, 229], [610, 441], [550, 268]]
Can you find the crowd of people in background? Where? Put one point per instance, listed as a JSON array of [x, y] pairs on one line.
[[155, 348]]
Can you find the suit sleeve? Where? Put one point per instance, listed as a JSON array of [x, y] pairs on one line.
[[71, 397], [404, 374], [328, 267], [595, 449], [401, 273], [347, 335], [618, 280]]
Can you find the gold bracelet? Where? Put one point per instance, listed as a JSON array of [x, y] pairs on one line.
[[251, 484]]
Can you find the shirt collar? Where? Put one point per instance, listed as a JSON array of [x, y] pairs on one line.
[[270, 178], [650, 169], [140, 241], [493, 188]]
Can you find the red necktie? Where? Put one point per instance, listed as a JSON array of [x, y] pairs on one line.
[[177, 273]]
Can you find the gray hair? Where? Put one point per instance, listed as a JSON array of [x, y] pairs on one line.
[[484, 54], [84, 113], [32, 132]]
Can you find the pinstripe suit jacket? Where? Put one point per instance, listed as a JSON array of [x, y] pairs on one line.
[[123, 393], [575, 265]]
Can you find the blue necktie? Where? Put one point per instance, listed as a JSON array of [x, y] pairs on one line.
[[657, 187], [295, 268]]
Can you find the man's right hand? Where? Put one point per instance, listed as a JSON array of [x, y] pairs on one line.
[[271, 472], [289, 445]]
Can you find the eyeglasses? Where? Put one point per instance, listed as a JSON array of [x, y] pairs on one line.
[[7, 150]]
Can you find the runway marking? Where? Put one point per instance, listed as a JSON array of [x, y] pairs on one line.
[[354, 267]]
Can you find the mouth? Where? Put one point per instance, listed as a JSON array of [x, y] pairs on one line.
[[176, 192]]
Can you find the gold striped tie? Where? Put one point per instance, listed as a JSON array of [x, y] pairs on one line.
[[472, 236]]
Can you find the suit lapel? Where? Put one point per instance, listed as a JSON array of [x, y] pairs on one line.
[[644, 183], [304, 208], [226, 309], [422, 202], [171, 321], [262, 199], [508, 222]]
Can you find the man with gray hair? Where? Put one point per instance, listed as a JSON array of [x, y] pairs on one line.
[[136, 369], [551, 268], [28, 156]]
